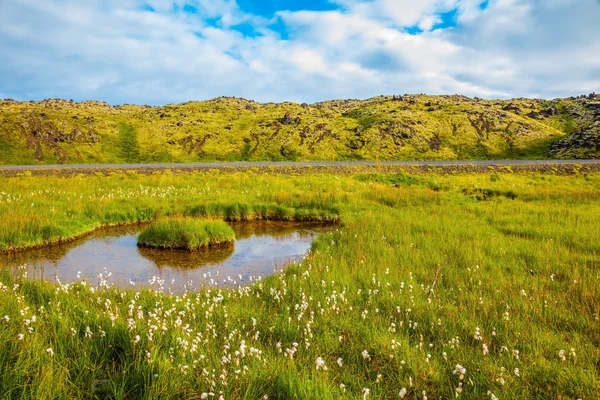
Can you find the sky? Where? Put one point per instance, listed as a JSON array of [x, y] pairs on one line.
[[170, 51]]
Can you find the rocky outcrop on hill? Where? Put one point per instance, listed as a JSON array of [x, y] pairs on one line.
[[581, 144]]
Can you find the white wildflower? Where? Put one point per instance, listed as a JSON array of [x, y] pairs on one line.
[[460, 371], [321, 364]]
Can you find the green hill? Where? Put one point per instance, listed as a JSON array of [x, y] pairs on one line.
[[407, 127]]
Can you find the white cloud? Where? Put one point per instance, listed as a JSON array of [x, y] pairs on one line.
[[116, 51]]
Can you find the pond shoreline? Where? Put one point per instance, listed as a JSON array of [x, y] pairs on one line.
[[261, 247], [81, 235]]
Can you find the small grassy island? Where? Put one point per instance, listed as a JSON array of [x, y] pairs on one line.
[[186, 234]]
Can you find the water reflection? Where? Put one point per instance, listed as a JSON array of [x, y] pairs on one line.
[[258, 249], [181, 259]]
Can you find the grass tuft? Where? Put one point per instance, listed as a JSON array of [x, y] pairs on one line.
[[186, 234]]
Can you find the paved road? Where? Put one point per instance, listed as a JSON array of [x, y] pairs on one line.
[[292, 164]]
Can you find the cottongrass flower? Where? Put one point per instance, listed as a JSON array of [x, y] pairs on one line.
[[20, 336], [321, 364], [366, 355], [50, 351], [365, 392], [6, 319], [339, 361], [402, 393], [516, 371], [136, 339], [492, 397], [460, 370], [572, 353], [562, 355], [343, 387]]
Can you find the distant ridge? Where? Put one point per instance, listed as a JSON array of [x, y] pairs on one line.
[[398, 127]]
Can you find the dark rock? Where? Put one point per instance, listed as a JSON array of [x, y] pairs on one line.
[[549, 112], [304, 105], [513, 108], [431, 109], [355, 144], [288, 120], [533, 114], [435, 142]]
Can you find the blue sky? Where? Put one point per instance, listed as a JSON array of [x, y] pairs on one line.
[[165, 51], [268, 8]]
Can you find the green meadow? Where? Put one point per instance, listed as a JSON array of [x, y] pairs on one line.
[[469, 286]]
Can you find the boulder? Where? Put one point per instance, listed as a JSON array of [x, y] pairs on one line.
[[550, 112], [288, 120]]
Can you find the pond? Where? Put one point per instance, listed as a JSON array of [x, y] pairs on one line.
[[111, 256]]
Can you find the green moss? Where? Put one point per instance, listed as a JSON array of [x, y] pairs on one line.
[[186, 234], [129, 147], [232, 129]]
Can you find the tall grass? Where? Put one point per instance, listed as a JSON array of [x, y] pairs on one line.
[[514, 311]]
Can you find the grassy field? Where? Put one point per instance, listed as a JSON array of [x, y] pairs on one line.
[[409, 127], [481, 286], [186, 234]]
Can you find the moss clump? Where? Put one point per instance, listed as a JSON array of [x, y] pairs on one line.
[[186, 234]]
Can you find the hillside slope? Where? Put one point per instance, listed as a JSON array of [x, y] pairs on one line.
[[405, 127]]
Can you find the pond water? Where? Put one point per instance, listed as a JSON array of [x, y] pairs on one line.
[[111, 255]]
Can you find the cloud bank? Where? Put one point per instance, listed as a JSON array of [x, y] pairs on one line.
[[159, 51]]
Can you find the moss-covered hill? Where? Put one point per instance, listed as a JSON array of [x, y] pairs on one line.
[[405, 127]]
